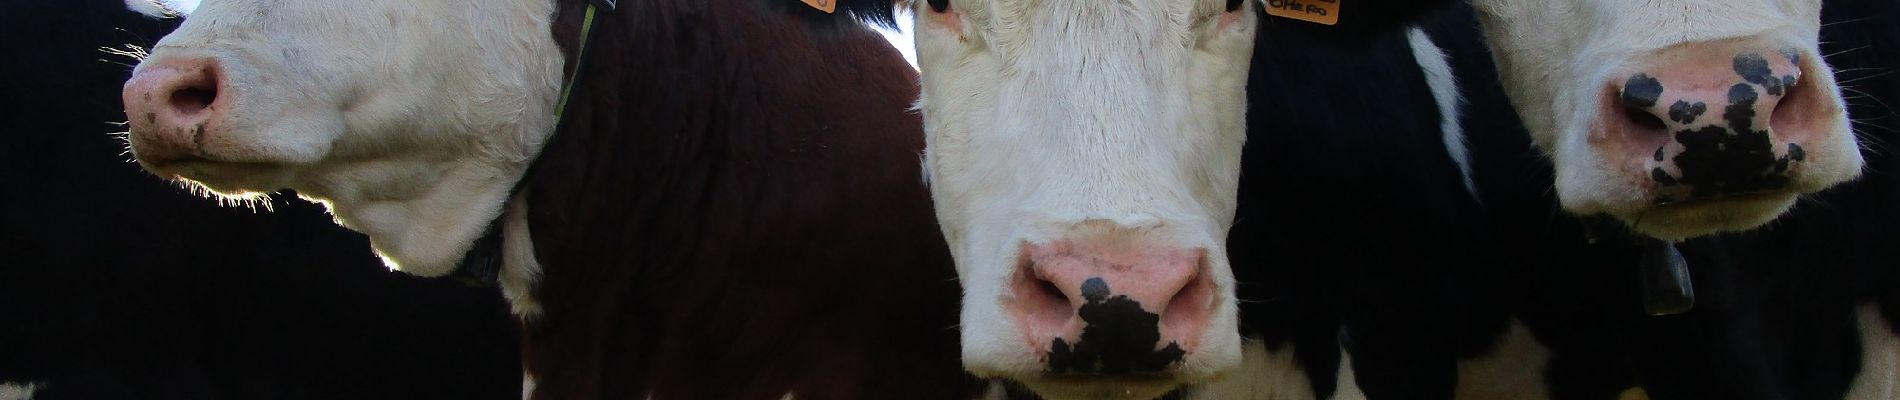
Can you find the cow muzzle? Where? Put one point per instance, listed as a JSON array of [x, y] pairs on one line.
[[1111, 308], [1706, 122], [175, 108]]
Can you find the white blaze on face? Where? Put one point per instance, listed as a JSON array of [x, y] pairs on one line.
[[1686, 103], [1078, 141], [410, 119]]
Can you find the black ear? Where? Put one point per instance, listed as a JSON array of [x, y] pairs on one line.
[[939, 5], [1235, 4]]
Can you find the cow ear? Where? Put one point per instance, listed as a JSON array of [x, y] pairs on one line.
[[1233, 5], [940, 5]]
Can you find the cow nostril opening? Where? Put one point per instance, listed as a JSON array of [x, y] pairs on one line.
[[1190, 306], [1799, 108], [1645, 119], [191, 100], [1049, 291]]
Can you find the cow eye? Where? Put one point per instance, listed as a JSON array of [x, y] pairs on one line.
[[940, 5], [1233, 5]]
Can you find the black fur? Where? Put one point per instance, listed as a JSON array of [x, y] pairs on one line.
[[1354, 227]]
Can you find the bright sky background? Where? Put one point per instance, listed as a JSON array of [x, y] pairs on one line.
[[901, 39]]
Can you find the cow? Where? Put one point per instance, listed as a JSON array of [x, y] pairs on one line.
[[117, 285], [731, 208], [1779, 308], [1433, 295], [1085, 160], [1678, 119]]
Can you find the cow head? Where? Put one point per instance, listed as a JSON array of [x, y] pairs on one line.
[[1680, 118], [1084, 156], [410, 119]]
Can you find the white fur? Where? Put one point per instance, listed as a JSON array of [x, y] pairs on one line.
[[19, 391], [1555, 58], [1513, 370], [410, 120], [1129, 118], [1268, 375], [149, 8], [1438, 75], [527, 386], [1879, 377], [520, 270]]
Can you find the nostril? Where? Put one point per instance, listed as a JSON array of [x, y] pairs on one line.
[[1042, 302], [193, 97], [1645, 119], [1191, 305], [1049, 290]]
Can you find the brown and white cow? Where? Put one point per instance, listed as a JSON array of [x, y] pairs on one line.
[[732, 211]]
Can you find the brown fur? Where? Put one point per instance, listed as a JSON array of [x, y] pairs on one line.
[[735, 211]]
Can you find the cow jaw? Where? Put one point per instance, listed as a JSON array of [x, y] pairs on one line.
[[1085, 178], [1644, 153], [411, 120]]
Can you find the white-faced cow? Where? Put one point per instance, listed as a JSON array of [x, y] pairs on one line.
[[1678, 118], [1778, 311], [732, 210], [116, 285]]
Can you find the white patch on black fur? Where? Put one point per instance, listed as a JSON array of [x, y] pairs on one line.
[[1444, 85], [149, 8], [1513, 369], [1274, 375], [19, 391], [520, 271], [1879, 377]]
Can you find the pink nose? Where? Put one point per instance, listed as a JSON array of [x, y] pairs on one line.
[[1710, 121], [1112, 308], [172, 107]]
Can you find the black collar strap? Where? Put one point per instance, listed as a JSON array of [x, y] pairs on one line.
[[481, 266]]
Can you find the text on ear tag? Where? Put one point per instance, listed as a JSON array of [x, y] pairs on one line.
[[823, 5], [1323, 12]]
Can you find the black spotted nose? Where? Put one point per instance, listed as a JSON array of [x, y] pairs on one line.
[[1712, 125]]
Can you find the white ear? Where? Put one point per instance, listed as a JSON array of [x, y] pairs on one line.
[[150, 8]]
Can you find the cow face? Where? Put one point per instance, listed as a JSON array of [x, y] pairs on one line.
[[1680, 118], [1084, 159], [410, 119]]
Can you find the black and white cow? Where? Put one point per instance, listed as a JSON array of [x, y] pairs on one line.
[[1554, 307], [116, 285]]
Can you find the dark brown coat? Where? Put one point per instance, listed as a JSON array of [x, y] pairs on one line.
[[736, 211]]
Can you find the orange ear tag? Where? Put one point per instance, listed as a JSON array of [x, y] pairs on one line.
[[823, 5], [1323, 12]]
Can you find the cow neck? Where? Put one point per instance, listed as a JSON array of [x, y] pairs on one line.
[[482, 265]]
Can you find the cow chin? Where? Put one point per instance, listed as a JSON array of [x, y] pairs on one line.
[[228, 181], [1131, 388], [1688, 219]]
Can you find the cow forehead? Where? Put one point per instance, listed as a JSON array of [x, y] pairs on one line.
[[1073, 15], [1664, 21]]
